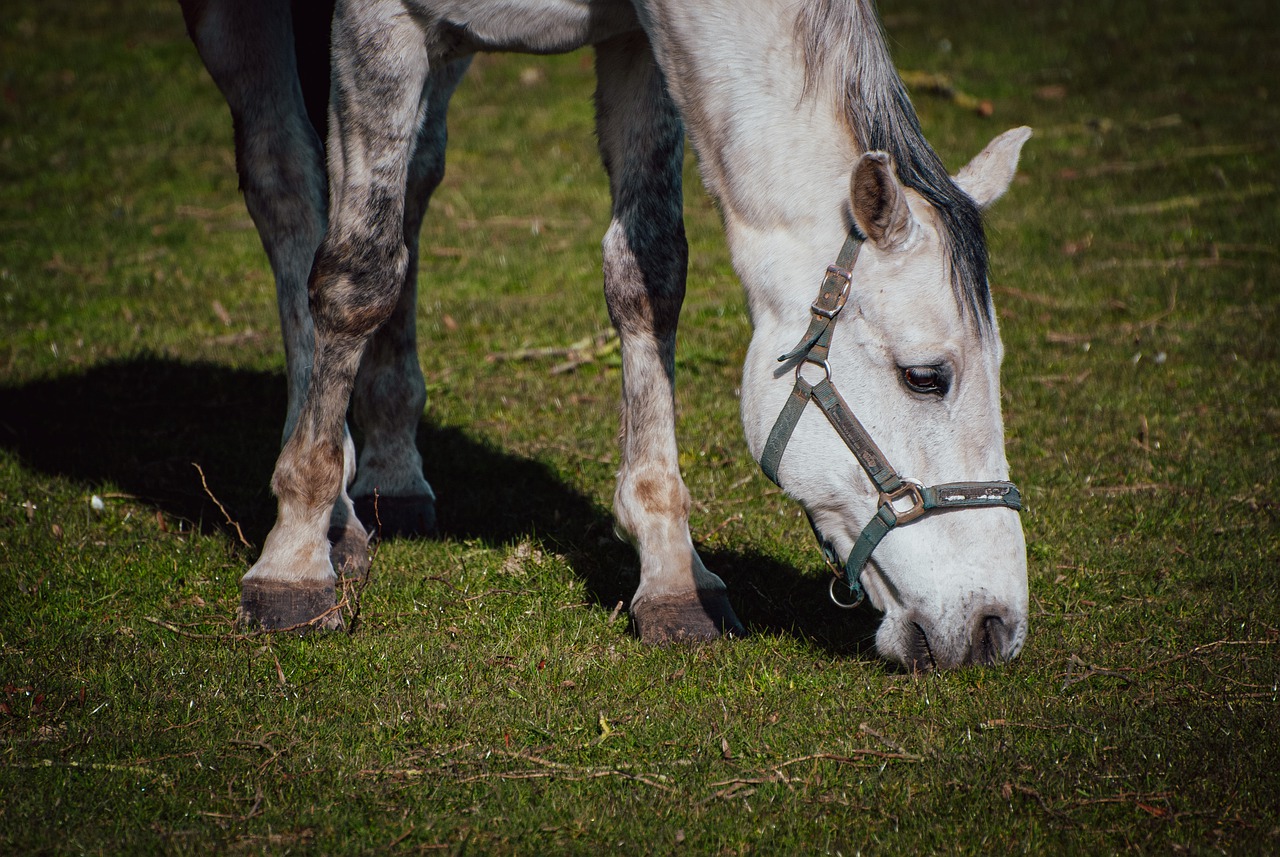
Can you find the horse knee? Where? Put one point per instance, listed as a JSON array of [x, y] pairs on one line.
[[355, 285], [644, 275]]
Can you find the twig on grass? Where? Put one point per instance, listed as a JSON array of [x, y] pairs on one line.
[[1075, 379], [940, 85], [1030, 297], [549, 768], [310, 624], [533, 224], [998, 722], [1120, 167], [254, 809], [257, 744], [136, 770], [1190, 202], [574, 777], [1091, 671], [1170, 306], [853, 757], [1177, 263], [390, 846], [739, 789], [489, 593], [726, 522], [186, 725], [169, 626], [1060, 808], [586, 350], [866, 729], [860, 754], [544, 769], [1200, 650], [1060, 338], [257, 804], [1137, 488], [743, 787], [353, 586], [776, 777], [1008, 789], [221, 508], [279, 670], [1127, 674]]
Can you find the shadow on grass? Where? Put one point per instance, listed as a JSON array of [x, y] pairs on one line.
[[139, 425]]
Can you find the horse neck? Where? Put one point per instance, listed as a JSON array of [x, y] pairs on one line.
[[775, 154]]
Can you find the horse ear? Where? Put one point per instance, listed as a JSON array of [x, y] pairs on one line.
[[988, 175], [879, 204]]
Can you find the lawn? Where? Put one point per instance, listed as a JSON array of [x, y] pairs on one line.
[[492, 698]]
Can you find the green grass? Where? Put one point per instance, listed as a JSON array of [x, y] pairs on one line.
[[491, 700]]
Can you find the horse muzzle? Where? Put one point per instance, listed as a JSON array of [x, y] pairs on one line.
[[989, 633]]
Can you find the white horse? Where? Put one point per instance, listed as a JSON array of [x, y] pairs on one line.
[[806, 138]]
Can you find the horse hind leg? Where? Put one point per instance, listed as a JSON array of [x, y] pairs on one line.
[[390, 493], [248, 49], [645, 258]]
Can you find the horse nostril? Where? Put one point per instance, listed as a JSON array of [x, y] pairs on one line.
[[919, 652], [990, 640]]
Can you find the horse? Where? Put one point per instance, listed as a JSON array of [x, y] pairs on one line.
[[806, 138]]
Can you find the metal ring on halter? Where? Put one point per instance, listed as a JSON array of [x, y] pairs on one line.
[[843, 605], [826, 367]]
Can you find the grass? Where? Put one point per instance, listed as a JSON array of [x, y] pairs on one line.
[[492, 699]]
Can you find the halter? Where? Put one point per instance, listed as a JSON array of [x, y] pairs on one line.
[[902, 500]]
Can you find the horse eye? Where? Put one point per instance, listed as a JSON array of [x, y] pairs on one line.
[[927, 379]]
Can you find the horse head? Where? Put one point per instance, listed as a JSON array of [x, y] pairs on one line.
[[916, 360]]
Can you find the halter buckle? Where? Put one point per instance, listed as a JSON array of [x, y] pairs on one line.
[[910, 490], [842, 298]]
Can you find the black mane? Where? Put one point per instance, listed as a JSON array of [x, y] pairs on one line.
[[842, 40]]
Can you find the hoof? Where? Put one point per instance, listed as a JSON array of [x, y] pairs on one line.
[[397, 517], [704, 616], [274, 605], [349, 553]]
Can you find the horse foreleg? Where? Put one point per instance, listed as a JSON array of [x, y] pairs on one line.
[[391, 495], [248, 46], [645, 258], [379, 70]]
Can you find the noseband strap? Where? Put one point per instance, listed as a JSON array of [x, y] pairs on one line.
[[902, 500]]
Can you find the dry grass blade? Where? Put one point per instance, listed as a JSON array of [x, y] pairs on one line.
[[223, 509], [1191, 202]]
